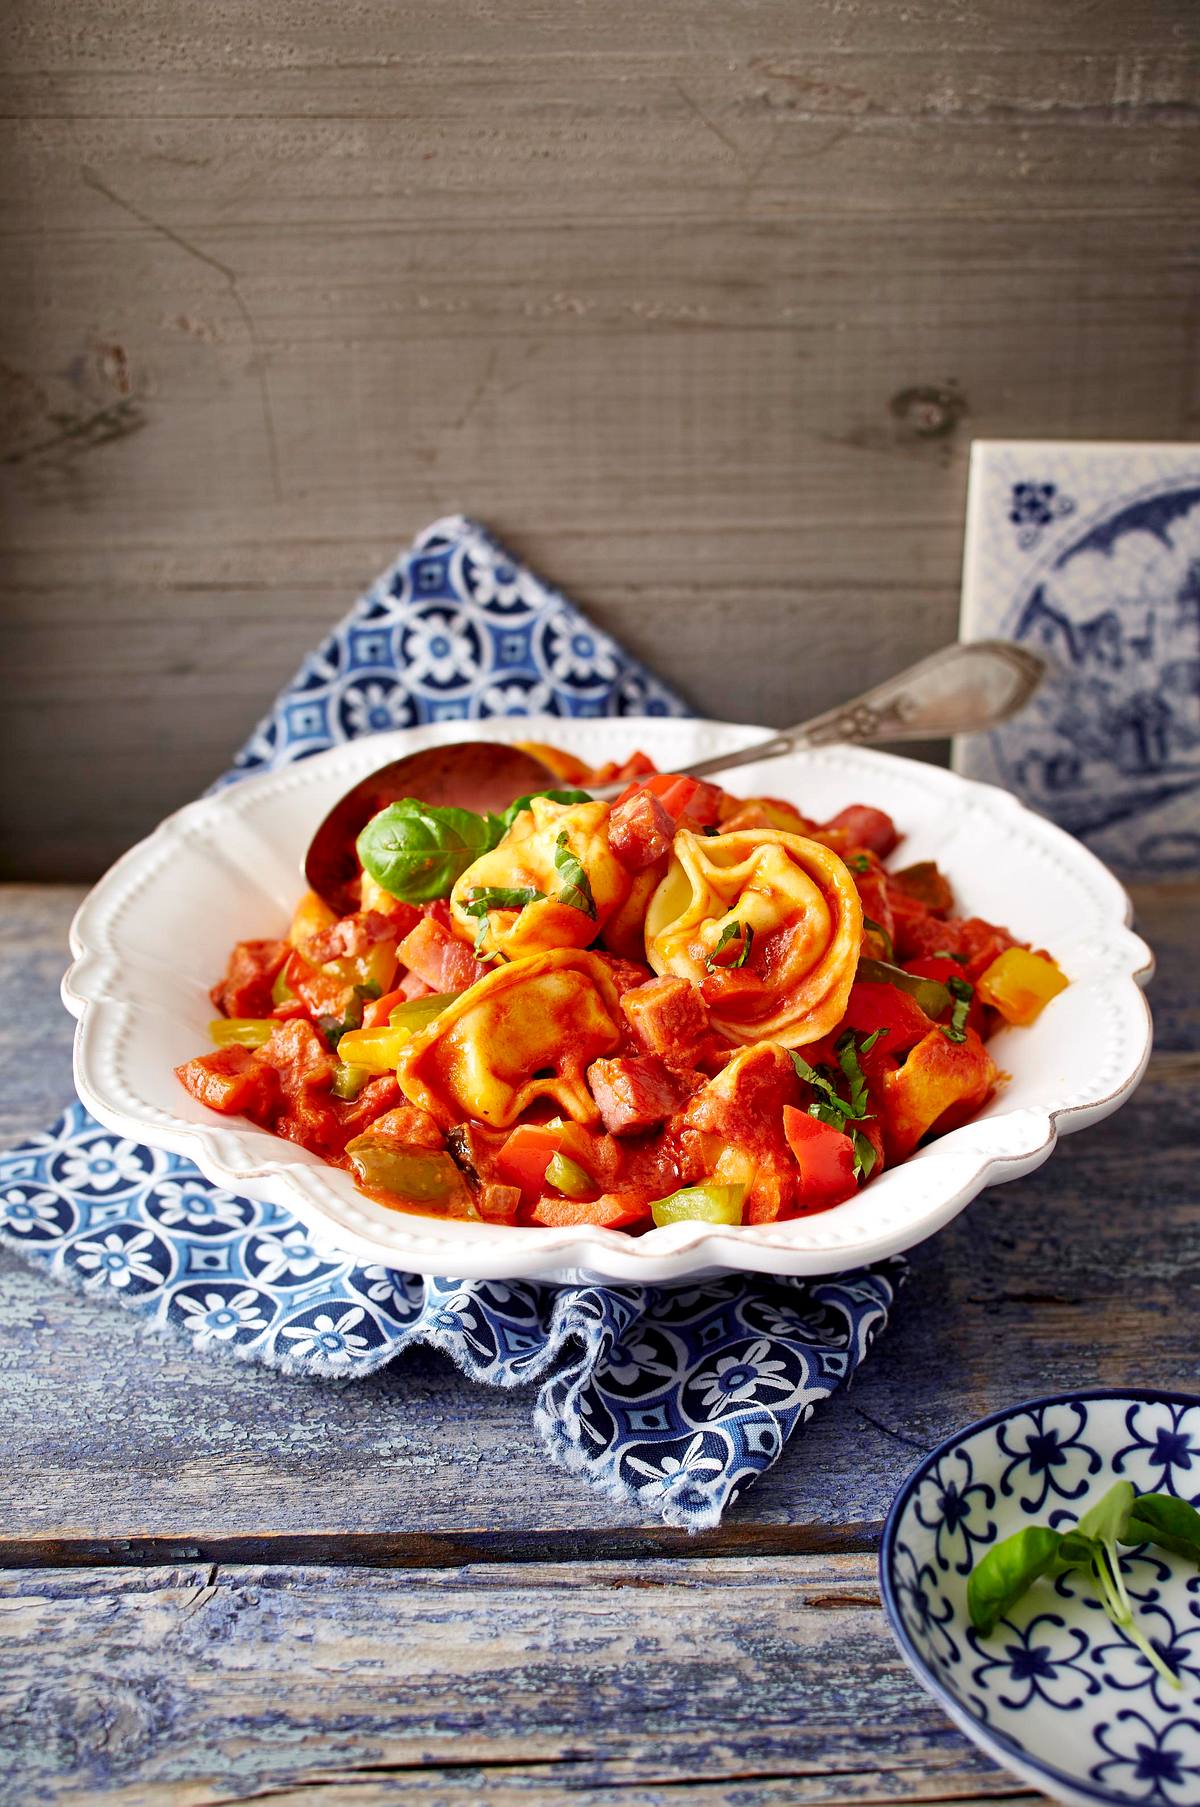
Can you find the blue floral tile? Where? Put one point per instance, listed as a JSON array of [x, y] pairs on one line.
[[1090, 554]]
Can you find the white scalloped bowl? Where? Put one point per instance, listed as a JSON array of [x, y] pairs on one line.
[[157, 929]]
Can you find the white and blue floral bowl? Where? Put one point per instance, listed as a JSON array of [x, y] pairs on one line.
[[1056, 1694]]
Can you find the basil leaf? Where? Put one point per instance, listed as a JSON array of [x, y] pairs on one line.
[[865, 1157], [1107, 1519], [729, 933], [962, 993], [577, 888], [1076, 1551], [416, 850], [1008, 1570], [496, 897], [818, 1082], [931, 994], [514, 809], [501, 897], [828, 1107], [847, 1054], [860, 863], [1162, 1519]]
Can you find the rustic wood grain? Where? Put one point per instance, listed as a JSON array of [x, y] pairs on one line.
[[700, 314], [1083, 1272], [601, 1681]]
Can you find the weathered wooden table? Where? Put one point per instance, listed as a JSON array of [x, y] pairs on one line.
[[221, 1584]]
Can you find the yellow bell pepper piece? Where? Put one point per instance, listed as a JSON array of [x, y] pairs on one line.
[[377, 1050], [374, 897], [311, 916], [242, 1031], [1019, 984]]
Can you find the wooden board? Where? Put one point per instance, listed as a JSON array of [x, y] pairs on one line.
[[650, 1682], [701, 315]]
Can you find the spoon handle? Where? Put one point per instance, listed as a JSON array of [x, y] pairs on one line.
[[963, 689]]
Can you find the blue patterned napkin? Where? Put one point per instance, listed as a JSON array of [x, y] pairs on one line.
[[672, 1399]]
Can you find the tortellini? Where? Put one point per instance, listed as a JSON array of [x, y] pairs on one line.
[[802, 905], [529, 1030], [530, 858]]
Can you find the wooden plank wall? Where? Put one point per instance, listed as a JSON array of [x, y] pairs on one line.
[[699, 306]]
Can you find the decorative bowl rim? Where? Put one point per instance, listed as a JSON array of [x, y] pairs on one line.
[[245, 1159], [989, 1738]]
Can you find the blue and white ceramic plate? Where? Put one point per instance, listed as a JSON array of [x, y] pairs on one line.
[[1057, 1693]]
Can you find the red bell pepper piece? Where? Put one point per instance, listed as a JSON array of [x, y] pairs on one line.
[[611, 1211], [528, 1152], [439, 958], [376, 1013], [871, 1006], [824, 1156], [680, 797]]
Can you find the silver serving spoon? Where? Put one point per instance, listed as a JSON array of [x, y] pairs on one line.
[[963, 689]]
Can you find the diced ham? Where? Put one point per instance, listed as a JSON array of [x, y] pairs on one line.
[[668, 1017], [408, 1125], [300, 1057], [639, 830], [978, 942], [233, 1082], [736, 992], [353, 935], [626, 975], [413, 986], [253, 969], [352, 1117], [439, 958], [497, 1203], [638, 1093], [865, 827]]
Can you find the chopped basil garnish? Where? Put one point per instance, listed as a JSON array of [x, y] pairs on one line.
[[931, 994], [497, 897], [962, 993], [828, 1106], [514, 809], [577, 888], [729, 933], [860, 862], [501, 897]]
